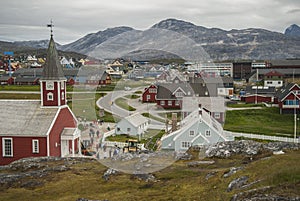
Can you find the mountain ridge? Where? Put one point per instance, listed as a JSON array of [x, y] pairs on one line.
[[250, 43]]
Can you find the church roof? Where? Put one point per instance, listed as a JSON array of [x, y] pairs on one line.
[[52, 69], [25, 118]]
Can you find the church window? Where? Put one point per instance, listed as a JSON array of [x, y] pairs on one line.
[[35, 146]]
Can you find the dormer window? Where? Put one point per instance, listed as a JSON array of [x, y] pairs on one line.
[[179, 94]]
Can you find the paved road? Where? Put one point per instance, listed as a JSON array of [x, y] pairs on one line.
[[106, 103]]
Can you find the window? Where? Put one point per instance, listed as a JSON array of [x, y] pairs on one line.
[[217, 115], [118, 129], [279, 82], [152, 91], [291, 102], [35, 146], [192, 133], [128, 129], [179, 94], [7, 147], [162, 102], [50, 96], [185, 144], [177, 103], [148, 97], [169, 103], [62, 85], [62, 96], [207, 133]]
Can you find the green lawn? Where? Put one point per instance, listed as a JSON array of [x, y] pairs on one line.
[[242, 105], [20, 96], [25, 88], [260, 121], [123, 103], [132, 96]]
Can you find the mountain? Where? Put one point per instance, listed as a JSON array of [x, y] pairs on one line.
[[293, 30], [37, 44], [87, 43], [186, 40], [218, 44], [236, 44]]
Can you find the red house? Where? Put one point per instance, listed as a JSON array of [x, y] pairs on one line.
[[45, 127], [288, 99], [149, 95]]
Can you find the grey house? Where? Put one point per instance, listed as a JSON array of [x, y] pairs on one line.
[[134, 125], [197, 130]]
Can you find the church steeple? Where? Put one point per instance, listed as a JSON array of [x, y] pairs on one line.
[[53, 81]]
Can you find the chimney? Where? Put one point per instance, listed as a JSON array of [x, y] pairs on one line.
[[174, 122]]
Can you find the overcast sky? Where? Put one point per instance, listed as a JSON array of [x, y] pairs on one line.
[[26, 20]]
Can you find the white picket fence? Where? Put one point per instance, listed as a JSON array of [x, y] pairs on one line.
[[262, 137]]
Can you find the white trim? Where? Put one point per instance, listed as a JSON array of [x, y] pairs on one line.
[[3, 147], [42, 94], [48, 96], [58, 94], [35, 149]]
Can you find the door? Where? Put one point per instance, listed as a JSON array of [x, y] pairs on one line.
[[64, 148]]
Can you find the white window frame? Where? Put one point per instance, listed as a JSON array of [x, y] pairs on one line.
[[177, 102], [207, 133], [185, 144], [152, 90], [192, 133], [11, 147], [50, 96], [148, 97], [63, 96], [35, 146], [170, 103], [179, 94], [62, 85], [162, 102], [217, 115]]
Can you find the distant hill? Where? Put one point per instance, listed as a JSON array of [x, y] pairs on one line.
[[38, 44], [293, 30], [38, 48]]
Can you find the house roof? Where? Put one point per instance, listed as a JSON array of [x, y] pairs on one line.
[[136, 119], [285, 90], [212, 104], [273, 73], [52, 69], [166, 90], [260, 90], [26, 79], [287, 62], [25, 118]]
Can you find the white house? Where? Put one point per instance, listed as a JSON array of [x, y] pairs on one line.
[[196, 130], [134, 125]]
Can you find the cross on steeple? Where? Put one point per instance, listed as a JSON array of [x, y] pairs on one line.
[[51, 25]]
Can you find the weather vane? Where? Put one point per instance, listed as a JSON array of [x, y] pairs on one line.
[[51, 27]]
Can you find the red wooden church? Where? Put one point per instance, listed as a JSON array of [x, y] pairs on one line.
[[45, 127]]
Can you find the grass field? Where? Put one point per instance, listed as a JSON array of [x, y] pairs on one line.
[[260, 121], [123, 103], [176, 182]]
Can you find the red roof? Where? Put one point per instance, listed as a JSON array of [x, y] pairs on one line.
[[273, 73]]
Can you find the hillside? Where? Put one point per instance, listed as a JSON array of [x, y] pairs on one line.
[[250, 171]]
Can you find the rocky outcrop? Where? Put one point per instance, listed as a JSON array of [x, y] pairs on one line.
[[22, 171], [247, 147]]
